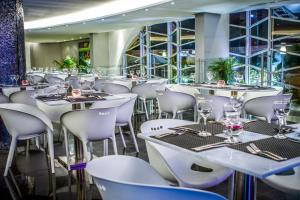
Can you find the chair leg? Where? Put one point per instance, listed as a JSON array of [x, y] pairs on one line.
[[122, 137], [27, 147], [113, 138], [10, 157], [66, 141], [87, 159], [105, 147], [51, 150], [37, 142], [145, 107], [133, 137]]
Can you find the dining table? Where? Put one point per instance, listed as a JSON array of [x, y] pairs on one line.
[[78, 102], [236, 156]]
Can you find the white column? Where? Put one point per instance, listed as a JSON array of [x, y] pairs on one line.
[[211, 39]]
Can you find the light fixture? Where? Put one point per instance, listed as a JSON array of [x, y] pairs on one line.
[[283, 48], [172, 3], [146, 9], [110, 8], [83, 22], [49, 28], [102, 19], [124, 15]]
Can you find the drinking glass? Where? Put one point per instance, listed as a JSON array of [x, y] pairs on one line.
[[17, 78], [281, 111], [12, 78], [234, 128], [205, 109], [238, 77], [210, 76]]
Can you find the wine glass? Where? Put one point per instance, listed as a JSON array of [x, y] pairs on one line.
[[281, 110], [234, 128], [17, 78], [12, 78], [210, 76], [238, 78], [205, 109]]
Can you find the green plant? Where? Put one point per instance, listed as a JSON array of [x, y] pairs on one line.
[[222, 69], [67, 63]]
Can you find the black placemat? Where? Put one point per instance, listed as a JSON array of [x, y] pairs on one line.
[[189, 140], [55, 97], [281, 147], [211, 127], [265, 128]]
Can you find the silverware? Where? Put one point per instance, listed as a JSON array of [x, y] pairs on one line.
[[294, 140], [267, 152], [167, 134], [252, 151], [210, 146]]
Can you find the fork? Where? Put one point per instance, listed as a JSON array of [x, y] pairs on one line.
[[252, 151], [268, 152]]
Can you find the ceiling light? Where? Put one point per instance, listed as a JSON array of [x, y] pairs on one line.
[[83, 22], [107, 9], [124, 15], [49, 28], [172, 3], [146, 9], [102, 19]]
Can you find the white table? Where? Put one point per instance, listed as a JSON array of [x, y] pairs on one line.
[[246, 164]]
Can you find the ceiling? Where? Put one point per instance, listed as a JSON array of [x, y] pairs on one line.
[[171, 10]]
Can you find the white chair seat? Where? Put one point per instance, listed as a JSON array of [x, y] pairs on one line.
[[287, 183]]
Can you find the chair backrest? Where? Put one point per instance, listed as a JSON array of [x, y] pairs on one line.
[[23, 97], [53, 79], [247, 96], [171, 101], [158, 154], [137, 180], [263, 106], [54, 112], [35, 79], [217, 103], [114, 88], [148, 90], [24, 120], [4, 99], [124, 106], [93, 124]]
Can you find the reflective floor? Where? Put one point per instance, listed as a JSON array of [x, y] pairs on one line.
[[29, 177]]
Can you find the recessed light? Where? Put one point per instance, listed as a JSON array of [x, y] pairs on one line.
[[124, 15], [146, 9], [102, 19], [172, 3], [49, 28]]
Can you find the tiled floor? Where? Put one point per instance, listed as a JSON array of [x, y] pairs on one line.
[[32, 180]]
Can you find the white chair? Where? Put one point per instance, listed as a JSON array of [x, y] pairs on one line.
[[4, 99], [24, 97], [147, 91], [166, 161], [263, 106], [53, 79], [290, 184], [89, 126], [114, 88], [24, 122], [217, 104], [135, 180], [175, 103], [35, 79], [124, 114], [99, 84]]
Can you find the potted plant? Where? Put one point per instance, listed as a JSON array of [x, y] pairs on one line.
[[222, 69]]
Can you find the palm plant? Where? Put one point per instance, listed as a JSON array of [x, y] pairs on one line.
[[222, 69]]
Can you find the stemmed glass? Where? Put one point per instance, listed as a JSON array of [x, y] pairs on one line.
[[281, 110], [12, 78], [205, 110], [210, 76], [17, 78]]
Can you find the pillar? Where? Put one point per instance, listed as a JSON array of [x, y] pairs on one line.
[[211, 41], [12, 45]]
